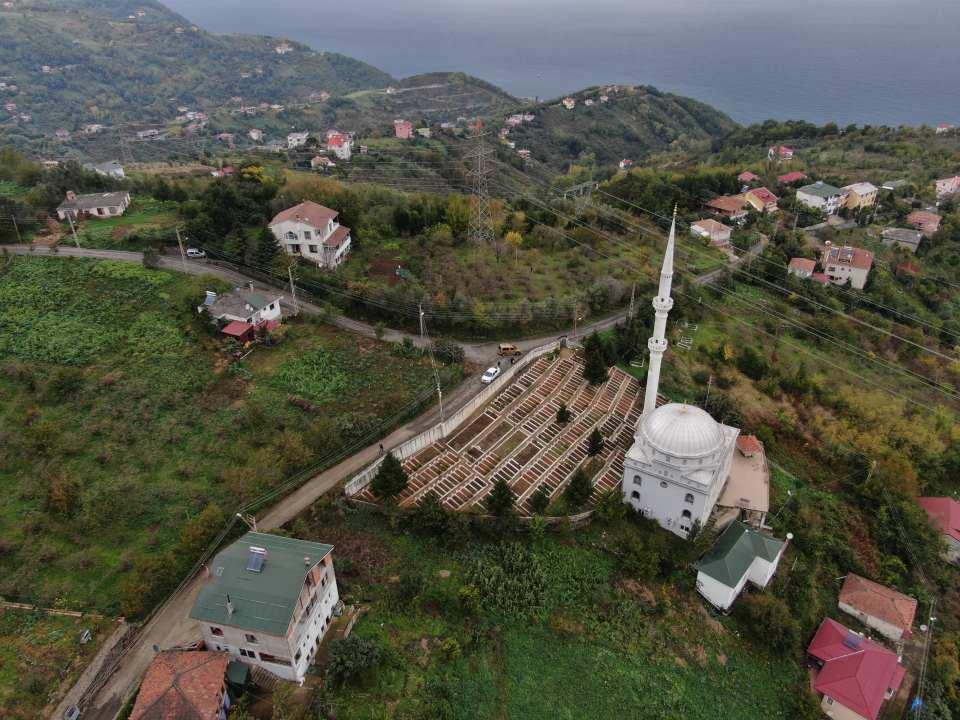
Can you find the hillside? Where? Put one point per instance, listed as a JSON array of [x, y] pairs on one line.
[[134, 61], [632, 123]]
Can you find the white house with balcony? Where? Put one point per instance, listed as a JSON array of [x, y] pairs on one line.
[[822, 196], [268, 601], [311, 231]]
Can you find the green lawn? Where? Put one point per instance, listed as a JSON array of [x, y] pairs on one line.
[[10, 189], [145, 221], [128, 433], [41, 654]]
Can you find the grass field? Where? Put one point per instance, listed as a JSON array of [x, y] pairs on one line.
[[127, 430], [39, 655], [144, 222], [588, 642]]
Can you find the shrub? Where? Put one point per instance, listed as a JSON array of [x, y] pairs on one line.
[[450, 649], [563, 414], [769, 617], [352, 658], [429, 518], [391, 478], [448, 352], [595, 443], [539, 501], [578, 491], [500, 500]]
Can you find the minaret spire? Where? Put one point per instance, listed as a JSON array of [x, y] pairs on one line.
[[661, 306]]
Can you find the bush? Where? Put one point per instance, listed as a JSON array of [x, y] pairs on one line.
[[429, 517], [500, 500], [595, 443], [448, 352], [578, 491], [352, 658], [563, 414], [539, 501], [770, 618], [391, 478]]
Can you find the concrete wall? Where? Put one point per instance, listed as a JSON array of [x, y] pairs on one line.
[[717, 594], [881, 626], [834, 709], [453, 422]]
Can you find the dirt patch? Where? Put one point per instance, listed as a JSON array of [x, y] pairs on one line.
[[385, 268], [495, 435], [464, 437], [525, 455], [122, 231], [711, 621], [639, 590], [369, 555]]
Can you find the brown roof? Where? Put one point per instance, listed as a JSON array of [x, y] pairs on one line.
[[803, 264], [727, 203], [337, 237], [849, 255], [749, 444], [309, 212], [878, 601], [763, 195], [923, 217], [182, 685], [710, 225]]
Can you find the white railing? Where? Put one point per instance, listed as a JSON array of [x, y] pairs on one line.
[[441, 430]]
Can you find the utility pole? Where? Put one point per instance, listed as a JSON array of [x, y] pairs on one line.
[[576, 317], [633, 294], [73, 229], [16, 229], [481, 228], [706, 400], [183, 253], [420, 309], [293, 290]]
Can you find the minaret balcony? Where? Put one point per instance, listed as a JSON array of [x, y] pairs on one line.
[[662, 304], [657, 345]]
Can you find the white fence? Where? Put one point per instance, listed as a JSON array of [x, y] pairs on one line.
[[452, 423]]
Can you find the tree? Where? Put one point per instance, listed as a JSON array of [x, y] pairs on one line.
[[578, 491], [752, 364], [515, 240], [539, 501], [391, 478], [500, 500], [563, 414], [429, 517], [594, 360], [351, 658], [595, 442], [769, 617], [265, 250]]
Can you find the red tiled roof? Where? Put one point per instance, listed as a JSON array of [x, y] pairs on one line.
[[791, 177], [764, 195], [821, 278], [337, 237], [802, 264], [309, 212], [710, 225], [237, 328], [337, 139], [878, 601], [923, 217], [747, 176], [727, 203], [944, 512], [849, 255], [856, 672], [182, 685], [749, 444]]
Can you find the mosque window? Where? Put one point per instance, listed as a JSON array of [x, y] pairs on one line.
[[635, 495], [685, 514], [663, 483], [688, 498], [637, 480]]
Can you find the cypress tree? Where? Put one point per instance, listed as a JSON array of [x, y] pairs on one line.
[[500, 500], [594, 360], [391, 478], [578, 491], [594, 442]]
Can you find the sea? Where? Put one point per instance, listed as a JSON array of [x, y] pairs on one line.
[[850, 61]]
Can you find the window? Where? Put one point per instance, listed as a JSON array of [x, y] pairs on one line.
[[248, 653], [291, 236], [635, 495], [685, 514], [637, 480], [306, 235], [663, 483], [313, 249], [295, 249], [252, 639], [296, 658], [216, 631], [688, 498], [267, 657]]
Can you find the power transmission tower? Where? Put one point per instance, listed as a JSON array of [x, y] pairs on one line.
[[481, 228]]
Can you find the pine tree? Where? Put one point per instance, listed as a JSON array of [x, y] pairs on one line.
[[563, 414], [578, 491], [265, 250], [594, 443], [391, 478], [500, 500], [594, 360], [539, 501]]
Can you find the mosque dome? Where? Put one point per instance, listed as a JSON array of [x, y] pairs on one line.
[[682, 431]]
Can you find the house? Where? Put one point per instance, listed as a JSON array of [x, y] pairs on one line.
[[944, 128], [227, 171], [268, 601], [893, 184], [716, 232], [283, 48], [822, 196], [762, 200], [184, 685], [854, 675], [746, 496], [243, 305], [524, 153], [945, 187], [403, 129], [588, 102], [62, 135], [604, 98], [883, 609], [860, 195], [925, 221], [747, 177], [626, 163], [148, 134], [92, 128], [791, 178], [944, 513], [322, 162], [801, 267], [111, 168], [297, 139], [847, 263], [733, 207], [340, 144], [782, 152], [255, 134], [424, 132], [311, 231], [97, 205], [569, 103], [740, 555], [903, 237], [225, 137]]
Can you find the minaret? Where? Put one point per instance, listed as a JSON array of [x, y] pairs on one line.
[[661, 306]]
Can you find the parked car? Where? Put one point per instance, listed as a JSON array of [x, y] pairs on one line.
[[195, 253], [490, 375], [508, 350]]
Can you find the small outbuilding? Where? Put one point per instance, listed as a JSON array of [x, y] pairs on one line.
[[741, 555], [944, 513]]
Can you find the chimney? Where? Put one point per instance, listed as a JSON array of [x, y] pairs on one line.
[[250, 285], [229, 607], [71, 195], [306, 560]]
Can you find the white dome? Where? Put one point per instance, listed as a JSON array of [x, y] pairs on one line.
[[683, 431]]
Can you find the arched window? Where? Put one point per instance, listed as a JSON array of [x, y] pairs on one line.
[[635, 495], [290, 235], [685, 514], [663, 483], [688, 498], [637, 480]]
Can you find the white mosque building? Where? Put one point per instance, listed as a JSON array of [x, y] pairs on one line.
[[681, 457]]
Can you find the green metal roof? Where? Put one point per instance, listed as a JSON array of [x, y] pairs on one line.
[[264, 600], [821, 189], [735, 551]]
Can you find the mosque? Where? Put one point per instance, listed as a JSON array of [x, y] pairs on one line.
[[680, 460]]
